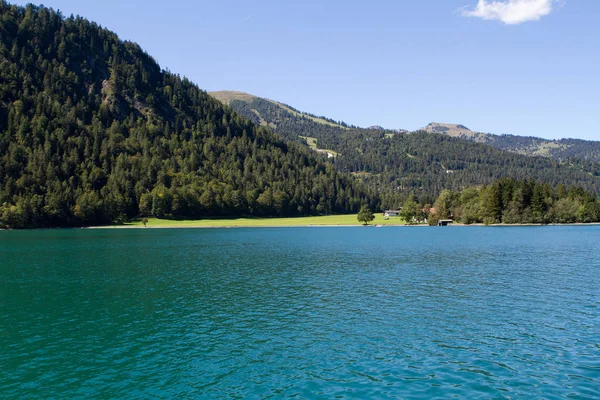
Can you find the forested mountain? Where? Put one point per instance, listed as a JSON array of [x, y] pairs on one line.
[[421, 163], [561, 150], [93, 131]]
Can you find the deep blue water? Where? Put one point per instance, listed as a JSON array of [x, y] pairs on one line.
[[301, 312]]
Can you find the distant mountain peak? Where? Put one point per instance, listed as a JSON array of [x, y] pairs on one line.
[[455, 130]]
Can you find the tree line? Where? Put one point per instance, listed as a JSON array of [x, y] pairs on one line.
[[511, 201]]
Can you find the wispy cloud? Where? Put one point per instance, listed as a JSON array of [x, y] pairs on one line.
[[248, 17], [510, 11]]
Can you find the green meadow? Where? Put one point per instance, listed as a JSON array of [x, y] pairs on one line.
[[329, 220]]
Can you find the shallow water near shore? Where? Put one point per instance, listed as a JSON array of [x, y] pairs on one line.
[[470, 312]]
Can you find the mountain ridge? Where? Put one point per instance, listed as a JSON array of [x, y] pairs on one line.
[[558, 149], [395, 162], [229, 96]]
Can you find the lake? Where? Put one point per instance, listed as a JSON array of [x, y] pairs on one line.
[[469, 312]]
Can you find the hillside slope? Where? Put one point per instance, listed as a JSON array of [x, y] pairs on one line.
[[560, 150], [273, 112], [93, 131], [422, 163]]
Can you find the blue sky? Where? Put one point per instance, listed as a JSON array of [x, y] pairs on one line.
[[527, 67]]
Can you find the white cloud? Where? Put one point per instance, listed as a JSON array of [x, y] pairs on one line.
[[510, 11]]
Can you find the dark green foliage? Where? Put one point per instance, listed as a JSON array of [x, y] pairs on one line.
[[365, 215], [410, 210], [398, 164], [92, 131], [510, 201]]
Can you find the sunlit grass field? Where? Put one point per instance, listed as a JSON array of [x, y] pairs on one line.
[[329, 220]]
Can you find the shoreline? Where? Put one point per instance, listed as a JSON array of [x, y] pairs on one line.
[[243, 227], [582, 224], [331, 221]]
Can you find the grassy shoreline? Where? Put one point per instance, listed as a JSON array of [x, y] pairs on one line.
[[329, 220], [302, 222], [320, 221]]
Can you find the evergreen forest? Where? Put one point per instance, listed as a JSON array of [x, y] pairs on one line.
[[93, 131], [511, 201]]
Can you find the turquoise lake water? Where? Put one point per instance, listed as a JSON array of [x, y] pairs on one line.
[[301, 312]]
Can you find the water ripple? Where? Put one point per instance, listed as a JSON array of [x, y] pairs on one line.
[[301, 313]]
